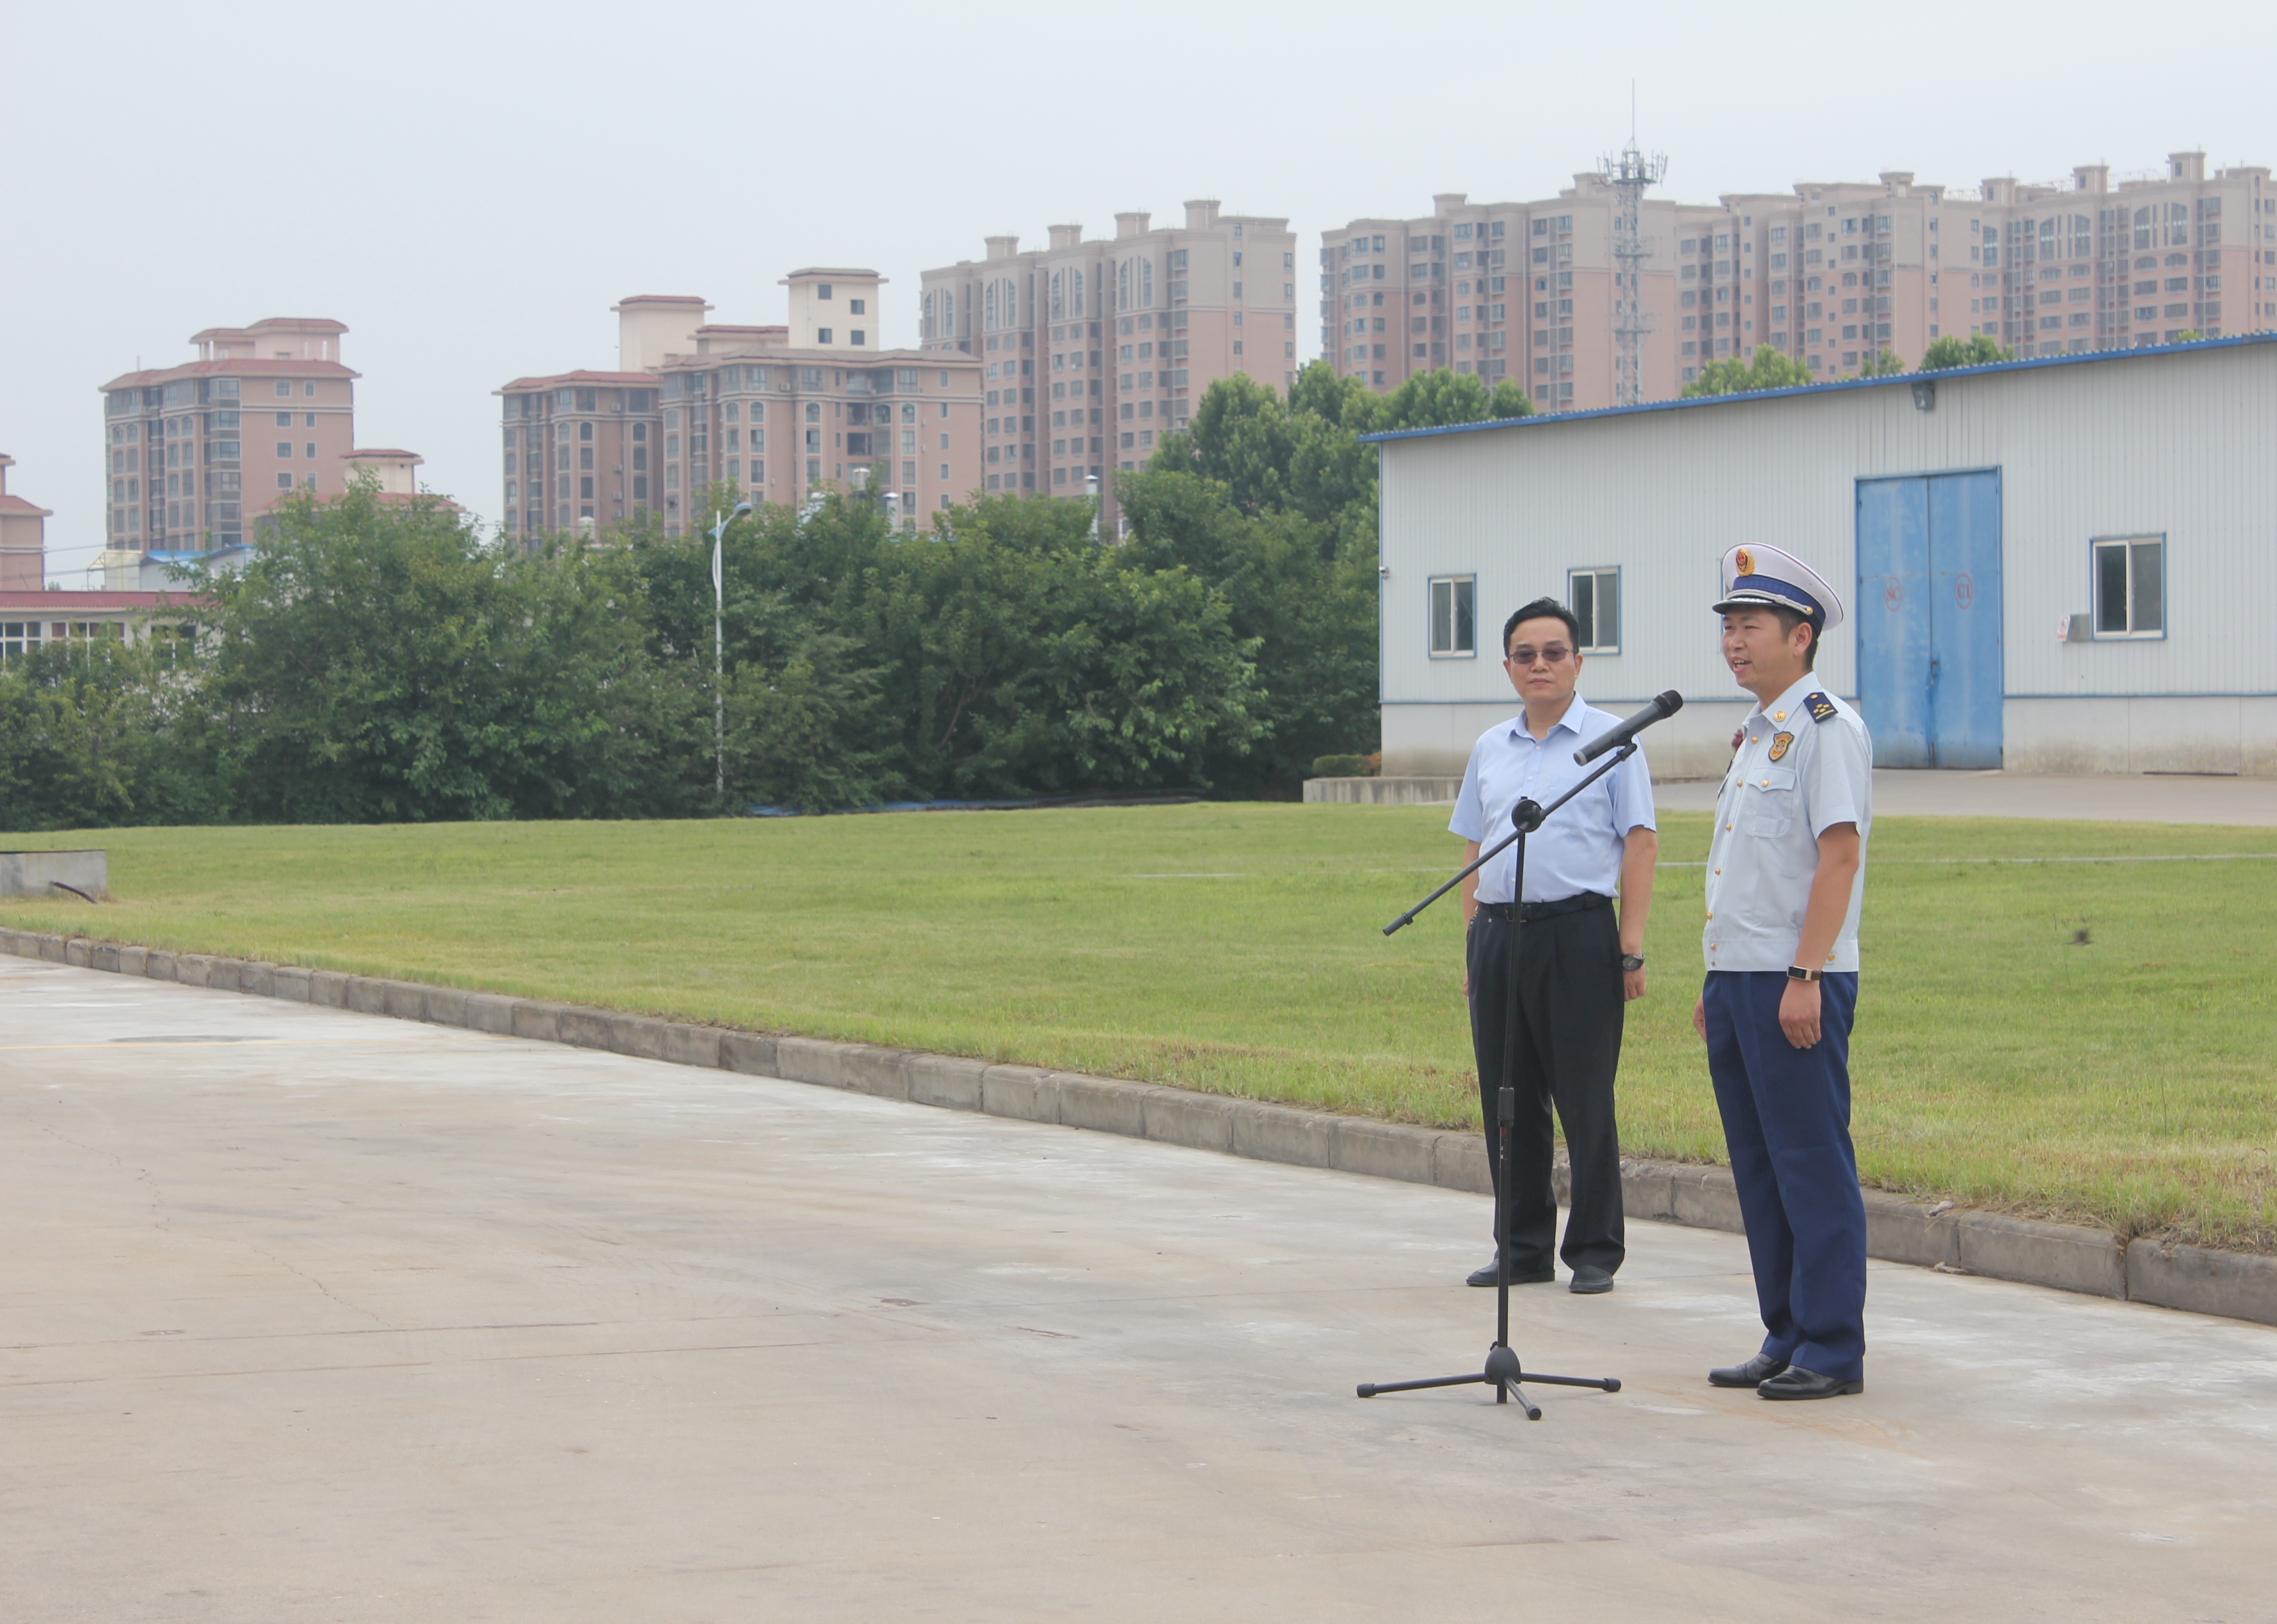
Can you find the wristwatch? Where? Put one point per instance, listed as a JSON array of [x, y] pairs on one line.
[[1631, 961], [1796, 973]]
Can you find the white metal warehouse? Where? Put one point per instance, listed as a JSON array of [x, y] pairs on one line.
[[2065, 565]]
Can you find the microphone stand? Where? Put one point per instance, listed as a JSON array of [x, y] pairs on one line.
[[1504, 1371]]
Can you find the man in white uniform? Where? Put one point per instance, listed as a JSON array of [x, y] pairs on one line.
[[1786, 875]]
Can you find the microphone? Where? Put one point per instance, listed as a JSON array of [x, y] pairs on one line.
[[1663, 706]]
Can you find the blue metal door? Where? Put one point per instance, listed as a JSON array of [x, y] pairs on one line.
[[1964, 567], [1930, 677], [1892, 621]]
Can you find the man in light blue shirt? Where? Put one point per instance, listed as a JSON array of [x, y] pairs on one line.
[[1577, 962]]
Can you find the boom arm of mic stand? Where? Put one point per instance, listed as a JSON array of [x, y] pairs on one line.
[[1533, 822]]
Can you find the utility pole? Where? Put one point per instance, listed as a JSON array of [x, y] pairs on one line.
[[719, 650]]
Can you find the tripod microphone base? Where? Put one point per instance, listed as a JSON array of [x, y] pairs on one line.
[[1502, 1374]]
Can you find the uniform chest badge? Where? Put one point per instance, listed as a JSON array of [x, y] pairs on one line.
[[1779, 742]]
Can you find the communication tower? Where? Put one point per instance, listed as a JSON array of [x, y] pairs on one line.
[[1629, 175]]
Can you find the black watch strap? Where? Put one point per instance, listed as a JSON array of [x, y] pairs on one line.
[[1796, 973]]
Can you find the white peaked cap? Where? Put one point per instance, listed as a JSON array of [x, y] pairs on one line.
[[1765, 576]]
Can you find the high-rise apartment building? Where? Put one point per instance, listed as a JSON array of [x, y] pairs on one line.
[[192, 451], [1831, 274], [23, 538], [1093, 349], [780, 412]]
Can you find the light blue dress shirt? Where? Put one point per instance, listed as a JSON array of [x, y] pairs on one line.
[[1580, 848], [1802, 768]]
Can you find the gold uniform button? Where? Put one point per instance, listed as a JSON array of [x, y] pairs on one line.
[[1778, 715], [1727, 828], [1766, 784], [1719, 870]]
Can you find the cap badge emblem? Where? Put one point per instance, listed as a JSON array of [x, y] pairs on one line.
[[1744, 561]]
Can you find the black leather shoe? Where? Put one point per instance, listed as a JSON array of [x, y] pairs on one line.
[[1796, 1382], [1517, 1277], [1754, 1373], [1590, 1280]]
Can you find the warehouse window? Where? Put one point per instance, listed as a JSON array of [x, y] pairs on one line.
[[2130, 587], [1595, 596], [1454, 616]]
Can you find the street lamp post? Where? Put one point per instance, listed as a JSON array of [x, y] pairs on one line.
[[719, 651]]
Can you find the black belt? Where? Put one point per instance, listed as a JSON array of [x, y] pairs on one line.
[[1527, 912]]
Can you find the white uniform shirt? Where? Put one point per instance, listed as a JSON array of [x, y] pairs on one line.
[[1580, 848], [1804, 764]]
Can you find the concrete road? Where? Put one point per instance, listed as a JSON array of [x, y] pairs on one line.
[[2139, 798], [306, 1315]]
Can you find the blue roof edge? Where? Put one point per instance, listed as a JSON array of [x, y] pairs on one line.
[[2237, 342]]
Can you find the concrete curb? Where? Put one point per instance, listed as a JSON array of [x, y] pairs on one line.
[[2068, 1257]]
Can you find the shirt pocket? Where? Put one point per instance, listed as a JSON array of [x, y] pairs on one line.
[[1767, 803]]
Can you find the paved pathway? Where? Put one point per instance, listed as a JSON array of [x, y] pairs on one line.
[[2143, 798], [306, 1315]]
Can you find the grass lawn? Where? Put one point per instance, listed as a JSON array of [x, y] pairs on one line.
[[1999, 1059]]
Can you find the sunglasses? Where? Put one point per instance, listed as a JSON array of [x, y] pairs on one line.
[[1556, 654]]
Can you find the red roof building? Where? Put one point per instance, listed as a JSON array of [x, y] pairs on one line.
[[23, 538], [29, 619]]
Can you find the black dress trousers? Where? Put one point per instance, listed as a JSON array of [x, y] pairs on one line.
[[1567, 1047]]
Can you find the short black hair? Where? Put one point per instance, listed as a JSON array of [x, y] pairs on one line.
[[1541, 609], [1789, 618]]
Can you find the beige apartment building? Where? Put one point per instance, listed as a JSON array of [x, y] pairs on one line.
[[781, 413], [1093, 349], [23, 538], [1831, 274], [192, 451]]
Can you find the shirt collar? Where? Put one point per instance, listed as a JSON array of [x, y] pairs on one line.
[[1788, 703], [1571, 721]]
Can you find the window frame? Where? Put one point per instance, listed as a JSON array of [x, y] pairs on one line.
[[1454, 583], [2095, 547], [1585, 645]]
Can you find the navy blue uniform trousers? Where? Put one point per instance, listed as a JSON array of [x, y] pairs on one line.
[[1786, 1122]]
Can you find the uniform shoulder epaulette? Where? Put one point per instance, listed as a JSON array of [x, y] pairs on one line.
[[1821, 707]]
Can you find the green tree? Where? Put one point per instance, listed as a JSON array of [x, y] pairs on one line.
[[1438, 400], [1884, 363], [1768, 369], [1951, 350], [92, 733], [1002, 653], [1272, 505], [376, 662]]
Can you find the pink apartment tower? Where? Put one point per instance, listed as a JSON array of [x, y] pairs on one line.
[[1831, 274], [1094, 349]]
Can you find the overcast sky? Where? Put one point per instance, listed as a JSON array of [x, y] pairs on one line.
[[470, 187]]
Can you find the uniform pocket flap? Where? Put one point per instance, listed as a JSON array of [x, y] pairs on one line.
[[1772, 778]]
